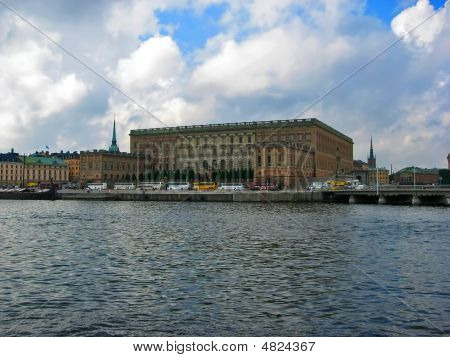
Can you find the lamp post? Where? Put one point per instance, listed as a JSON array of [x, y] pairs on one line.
[[414, 176], [338, 159], [378, 184]]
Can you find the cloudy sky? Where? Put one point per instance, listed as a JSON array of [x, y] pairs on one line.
[[207, 61]]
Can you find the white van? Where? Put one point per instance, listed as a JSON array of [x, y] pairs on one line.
[[178, 186], [231, 186]]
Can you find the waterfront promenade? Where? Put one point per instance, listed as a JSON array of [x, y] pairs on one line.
[[386, 195]]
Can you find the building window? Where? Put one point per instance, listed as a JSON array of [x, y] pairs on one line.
[[249, 139], [269, 160], [231, 140], [259, 160], [280, 159], [240, 140]]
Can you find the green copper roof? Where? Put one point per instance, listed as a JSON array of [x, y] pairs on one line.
[[288, 123], [418, 170], [42, 160], [114, 147]]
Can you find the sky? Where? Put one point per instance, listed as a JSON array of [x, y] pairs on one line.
[[211, 61]]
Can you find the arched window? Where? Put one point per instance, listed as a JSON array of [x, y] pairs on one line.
[[205, 165]]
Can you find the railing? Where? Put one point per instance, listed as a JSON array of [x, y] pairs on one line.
[[405, 188]]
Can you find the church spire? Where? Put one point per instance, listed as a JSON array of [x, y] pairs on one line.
[[114, 147], [371, 160]]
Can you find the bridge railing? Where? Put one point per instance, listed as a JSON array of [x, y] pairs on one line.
[[406, 188]]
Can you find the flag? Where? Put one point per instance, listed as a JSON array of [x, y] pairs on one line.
[[46, 146]]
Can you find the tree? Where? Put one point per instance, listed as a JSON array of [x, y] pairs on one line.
[[244, 174], [133, 178], [177, 175], [184, 175], [141, 177], [127, 178], [191, 175]]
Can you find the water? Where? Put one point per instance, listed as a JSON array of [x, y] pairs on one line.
[[220, 269]]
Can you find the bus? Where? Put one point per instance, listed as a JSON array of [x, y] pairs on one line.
[[178, 186], [151, 185], [231, 187], [124, 186], [96, 186], [338, 184], [205, 186]]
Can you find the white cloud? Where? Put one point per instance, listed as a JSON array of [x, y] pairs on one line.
[[156, 63], [409, 18], [279, 58], [32, 84]]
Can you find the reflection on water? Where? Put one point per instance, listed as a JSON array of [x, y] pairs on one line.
[[156, 268]]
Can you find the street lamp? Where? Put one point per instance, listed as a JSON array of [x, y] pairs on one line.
[[378, 184]]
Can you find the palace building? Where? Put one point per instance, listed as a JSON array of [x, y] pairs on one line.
[[283, 152], [32, 170], [111, 165], [11, 169]]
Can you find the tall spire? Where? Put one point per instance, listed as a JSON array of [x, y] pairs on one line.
[[114, 147], [114, 140], [371, 160]]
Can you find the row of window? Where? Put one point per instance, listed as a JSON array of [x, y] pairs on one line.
[[301, 161]]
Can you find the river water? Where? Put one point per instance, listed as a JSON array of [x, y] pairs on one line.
[[71, 268]]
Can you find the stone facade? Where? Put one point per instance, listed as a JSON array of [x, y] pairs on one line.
[[72, 159], [33, 170], [383, 176], [104, 166], [284, 152], [408, 175], [361, 171]]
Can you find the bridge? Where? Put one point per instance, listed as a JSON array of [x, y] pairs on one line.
[[416, 195]]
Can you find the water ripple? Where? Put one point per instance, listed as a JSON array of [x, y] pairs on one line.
[[222, 269]]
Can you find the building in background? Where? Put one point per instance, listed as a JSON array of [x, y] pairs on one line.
[[72, 159], [383, 176], [409, 175], [285, 152], [361, 171], [42, 170], [10, 169], [111, 165]]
